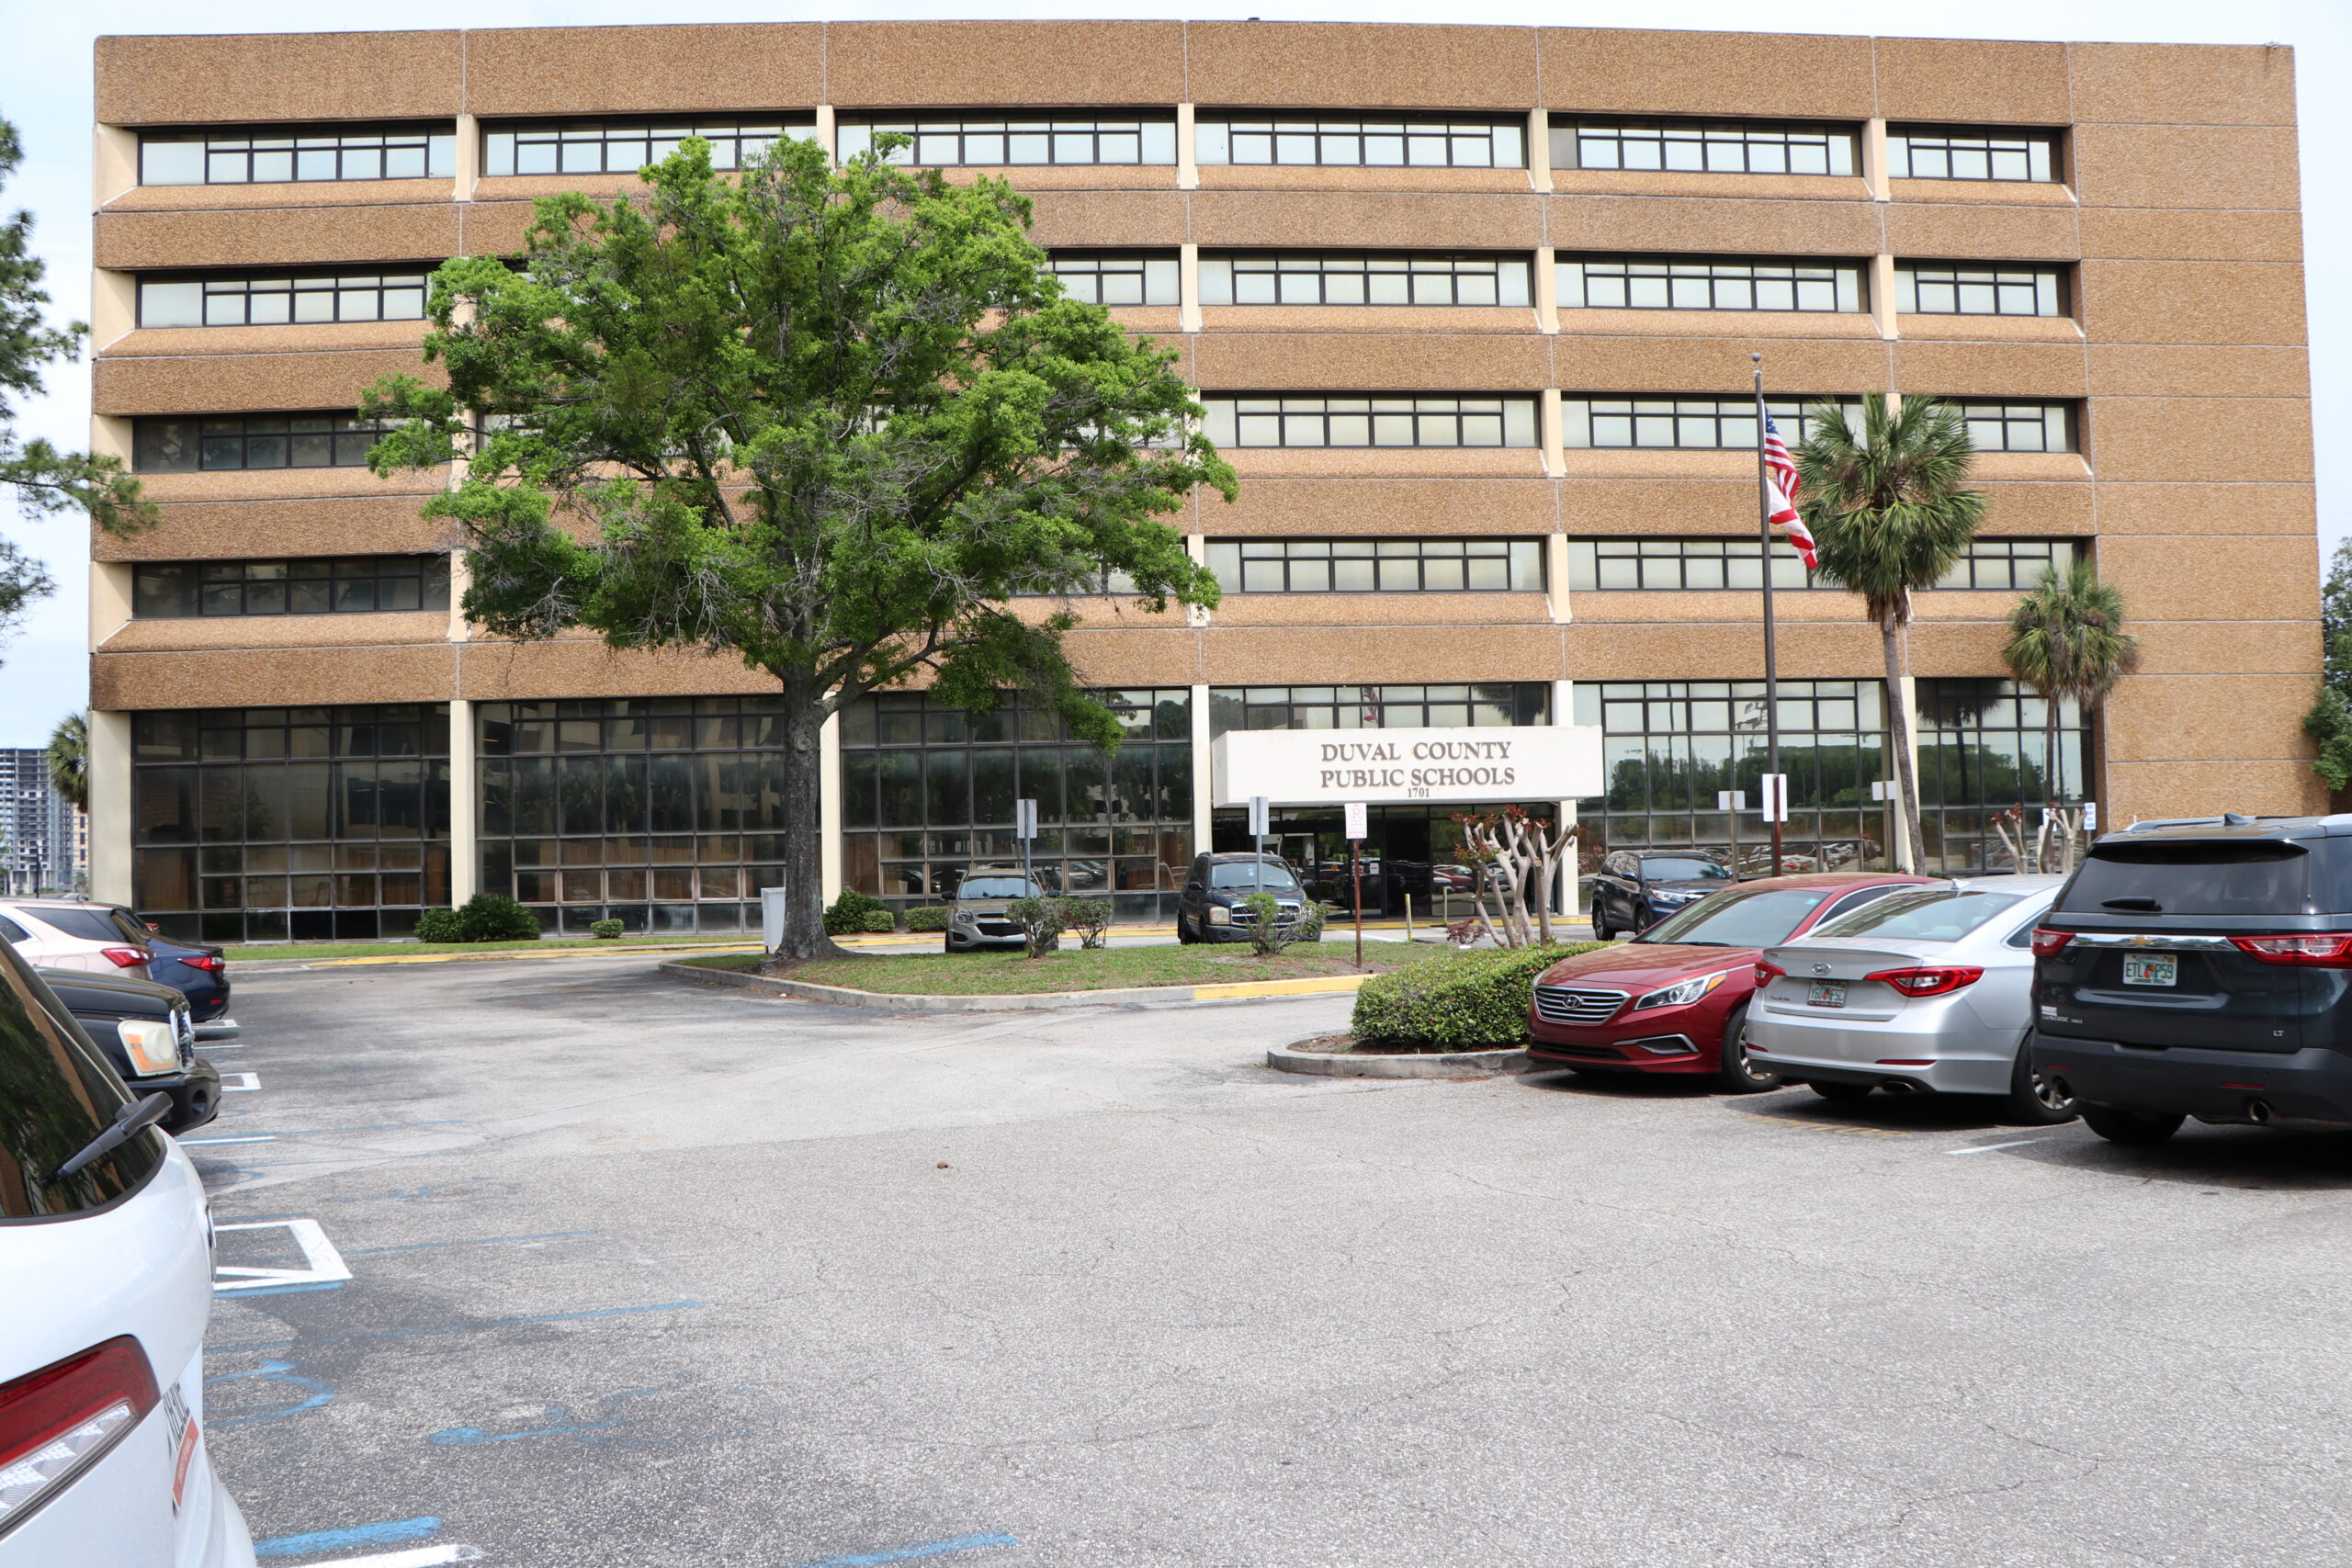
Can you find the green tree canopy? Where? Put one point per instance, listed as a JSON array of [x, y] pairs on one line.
[[46, 480], [2329, 722], [68, 761], [1891, 510], [2066, 640], [829, 421]]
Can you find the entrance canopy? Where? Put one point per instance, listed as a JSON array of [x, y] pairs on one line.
[[1320, 767]]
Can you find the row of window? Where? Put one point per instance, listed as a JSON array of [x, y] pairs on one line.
[[363, 584], [996, 141], [1233, 423], [1268, 277]]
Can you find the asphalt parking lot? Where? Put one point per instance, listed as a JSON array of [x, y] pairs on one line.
[[643, 1273]]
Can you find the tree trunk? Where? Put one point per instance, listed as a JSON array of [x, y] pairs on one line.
[[2049, 769], [804, 828], [1898, 736]]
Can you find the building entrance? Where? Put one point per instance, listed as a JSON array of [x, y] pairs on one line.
[[1408, 851]]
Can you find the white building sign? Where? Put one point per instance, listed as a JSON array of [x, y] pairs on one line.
[[1329, 767]]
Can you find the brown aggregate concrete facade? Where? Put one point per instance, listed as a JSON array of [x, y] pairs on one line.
[[2185, 341]]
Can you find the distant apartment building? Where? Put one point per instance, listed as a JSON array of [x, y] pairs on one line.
[[1469, 308], [43, 837]]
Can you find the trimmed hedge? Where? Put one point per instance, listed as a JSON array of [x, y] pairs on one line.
[[881, 920], [848, 912], [927, 918], [1470, 1002], [605, 931], [439, 925]]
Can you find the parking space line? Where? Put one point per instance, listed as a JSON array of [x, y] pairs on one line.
[[422, 1557], [247, 1138], [1988, 1148], [322, 1265], [229, 1084], [922, 1548]]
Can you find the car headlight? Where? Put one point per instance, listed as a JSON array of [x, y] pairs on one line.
[[1219, 915], [1682, 992], [960, 918], [150, 1043]]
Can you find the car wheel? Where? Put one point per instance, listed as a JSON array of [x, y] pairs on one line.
[[1600, 932], [1738, 1072], [1841, 1093], [1185, 935], [947, 944], [2136, 1129], [2033, 1099]]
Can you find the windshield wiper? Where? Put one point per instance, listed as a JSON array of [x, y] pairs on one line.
[[131, 1119]]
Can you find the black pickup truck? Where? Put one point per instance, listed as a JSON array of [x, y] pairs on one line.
[[159, 1061]]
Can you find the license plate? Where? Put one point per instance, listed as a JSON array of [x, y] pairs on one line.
[[1825, 994], [2151, 969]]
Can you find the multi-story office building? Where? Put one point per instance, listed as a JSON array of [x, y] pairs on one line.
[[41, 834], [1470, 309]]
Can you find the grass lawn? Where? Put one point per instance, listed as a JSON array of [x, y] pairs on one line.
[[396, 949], [1000, 974]]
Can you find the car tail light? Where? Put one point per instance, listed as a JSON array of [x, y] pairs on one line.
[[1766, 972], [1929, 980], [58, 1421], [2048, 943], [204, 960], [125, 957], [2333, 951]]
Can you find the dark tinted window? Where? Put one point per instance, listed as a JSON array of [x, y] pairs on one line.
[[997, 887], [2177, 878], [10, 930], [54, 1097], [90, 925], [1734, 919], [1681, 868], [1242, 873]]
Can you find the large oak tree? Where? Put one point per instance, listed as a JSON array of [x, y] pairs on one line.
[[828, 421]]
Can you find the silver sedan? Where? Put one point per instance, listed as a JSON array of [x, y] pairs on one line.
[[1929, 990]]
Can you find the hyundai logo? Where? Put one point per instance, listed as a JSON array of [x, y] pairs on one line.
[[1821, 968]]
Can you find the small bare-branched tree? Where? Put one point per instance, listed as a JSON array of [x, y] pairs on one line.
[[1511, 853]]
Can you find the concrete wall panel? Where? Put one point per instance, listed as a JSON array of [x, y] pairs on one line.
[[216, 632], [1736, 227], [2266, 578], [278, 237], [275, 677], [1364, 361], [1791, 74], [226, 78], [246, 383], [2286, 787], [2229, 717], [2140, 233], [2216, 302], [2174, 85], [1717, 365], [1944, 231], [1309, 507], [1358, 65], [581, 667], [2207, 438], [1971, 80], [1372, 220], [2193, 371], [1990, 369], [1243, 655], [2192, 507], [948, 64], [2185, 166], [643, 70], [266, 530]]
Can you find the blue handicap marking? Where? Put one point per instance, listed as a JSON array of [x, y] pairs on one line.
[[318, 1393], [920, 1550], [386, 1533]]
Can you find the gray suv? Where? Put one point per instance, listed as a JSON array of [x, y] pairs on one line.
[[2202, 969]]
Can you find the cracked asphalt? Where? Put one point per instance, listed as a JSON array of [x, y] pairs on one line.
[[645, 1273]]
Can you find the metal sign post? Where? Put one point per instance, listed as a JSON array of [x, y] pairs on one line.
[[1771, 666], [1775, 801], [1886, 790], [1731, 802], [1024, 827], [1356, 813], [1261, 814]]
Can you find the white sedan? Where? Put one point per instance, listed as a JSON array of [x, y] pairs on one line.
[[59, 933], [106, 1285], [1929, 990]]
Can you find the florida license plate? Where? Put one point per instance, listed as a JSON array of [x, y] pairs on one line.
[[2151, 969], [1825, 994]]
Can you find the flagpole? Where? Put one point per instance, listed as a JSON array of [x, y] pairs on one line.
[[1771, 669]]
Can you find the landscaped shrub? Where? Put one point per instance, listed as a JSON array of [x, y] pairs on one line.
[[1040, 920], [439, 925], [881, 920], [927, 918], [1258, 913], [849, 911], [492, 917], [1467, 1002], [1091, 918], [605, 931]]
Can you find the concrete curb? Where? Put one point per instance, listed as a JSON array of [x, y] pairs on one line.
[[1434, 1065], [1035, 1001]]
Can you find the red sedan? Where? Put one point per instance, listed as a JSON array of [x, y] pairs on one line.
[[1673, 999]]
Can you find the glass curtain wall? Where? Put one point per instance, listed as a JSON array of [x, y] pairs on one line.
[[265, 824], [664, 813], [1670, 745], [1984, 751], [928, 790]]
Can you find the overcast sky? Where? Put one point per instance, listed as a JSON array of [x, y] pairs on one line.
[[45, 89]]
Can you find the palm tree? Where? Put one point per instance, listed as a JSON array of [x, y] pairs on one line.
[[1891, 513], [69, 760], [2066, 640]]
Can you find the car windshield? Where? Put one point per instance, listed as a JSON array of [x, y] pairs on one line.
[[2192, 878], [997, 887], [1746, 918], [1930, 914], [1683, 868], [1244, 873], [54, 1097]]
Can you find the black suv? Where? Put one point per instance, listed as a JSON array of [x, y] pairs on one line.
[[1633, 892], [1218, 885], [2202, 969]]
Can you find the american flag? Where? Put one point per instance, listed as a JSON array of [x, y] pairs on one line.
[[1781, 484]]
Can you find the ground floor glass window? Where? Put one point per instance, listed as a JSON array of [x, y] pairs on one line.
[[1985, 749], [308, 823], [928, 790]]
